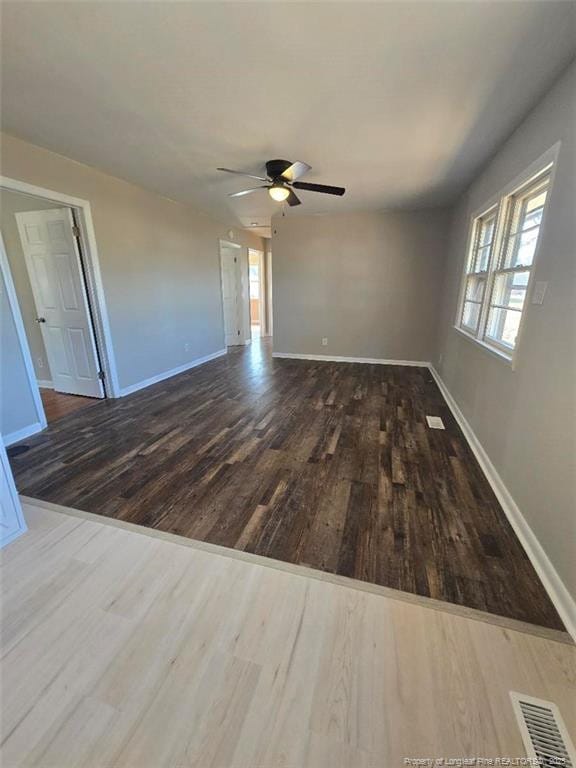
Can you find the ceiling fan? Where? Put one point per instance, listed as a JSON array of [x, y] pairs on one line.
[[281, 180]]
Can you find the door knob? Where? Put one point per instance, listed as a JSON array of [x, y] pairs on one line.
[[40, 319]]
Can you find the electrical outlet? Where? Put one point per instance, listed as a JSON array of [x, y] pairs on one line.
[[187, 347], [40, 362], [324, 341], [440, 356]]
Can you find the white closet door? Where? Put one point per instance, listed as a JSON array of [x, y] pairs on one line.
[[231, 296], [54, 267]]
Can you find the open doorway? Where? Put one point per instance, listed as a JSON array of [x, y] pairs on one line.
[[259, 282], [43, 264]]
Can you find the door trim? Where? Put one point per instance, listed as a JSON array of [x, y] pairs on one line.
[[94, 287]]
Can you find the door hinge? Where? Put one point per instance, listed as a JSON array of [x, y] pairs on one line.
[[235, 259], [76, 231], [238, 333], [101, 375]]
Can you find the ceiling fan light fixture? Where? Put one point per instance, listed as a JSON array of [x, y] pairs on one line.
[[278, 193]]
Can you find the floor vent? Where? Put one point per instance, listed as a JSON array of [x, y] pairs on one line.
[[543, 731], [435, 422]]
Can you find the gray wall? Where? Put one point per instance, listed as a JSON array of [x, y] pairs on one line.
[[370, 282], [159, 261], [526, 418], [11, 203]]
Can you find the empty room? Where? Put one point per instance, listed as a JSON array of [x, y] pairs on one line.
[[288, 384]]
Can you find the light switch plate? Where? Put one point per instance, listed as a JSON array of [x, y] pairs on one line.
[[539, 292]]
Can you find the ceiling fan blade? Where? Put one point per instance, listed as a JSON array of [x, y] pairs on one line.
[[241, 173], [292, 199], [319, 188], [295, 170], [245, 191]]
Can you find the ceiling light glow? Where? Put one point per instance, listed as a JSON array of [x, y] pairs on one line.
[[279, 193]]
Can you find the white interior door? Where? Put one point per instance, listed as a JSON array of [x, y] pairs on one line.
[[53, 263], [11, 519], [231, 295]]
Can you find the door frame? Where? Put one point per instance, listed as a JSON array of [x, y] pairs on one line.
[[93, 283]]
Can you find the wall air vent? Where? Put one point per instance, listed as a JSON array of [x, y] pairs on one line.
[[543, 731], [435, 422]]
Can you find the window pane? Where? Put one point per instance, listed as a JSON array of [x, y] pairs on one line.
[[533, 219], [520, 249], [482, 259], [471, 315], [487, 230], [503, 326], [475, 288], [524, 227], [254, 272], [510, 289], [484, 230], [537, 199], [254, 289]]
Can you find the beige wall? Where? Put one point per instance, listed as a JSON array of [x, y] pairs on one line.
[[10, 204], [526, 418], [369, 282], [159, 261]]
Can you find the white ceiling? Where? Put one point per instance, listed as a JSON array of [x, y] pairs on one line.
[[400, 102]]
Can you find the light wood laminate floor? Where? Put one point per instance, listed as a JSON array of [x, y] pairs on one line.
[[121, 649], [329, 465]]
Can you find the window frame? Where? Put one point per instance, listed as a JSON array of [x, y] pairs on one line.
[[472, 256], [503, 204]]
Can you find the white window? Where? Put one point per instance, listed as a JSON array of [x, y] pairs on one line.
[[501, 257]]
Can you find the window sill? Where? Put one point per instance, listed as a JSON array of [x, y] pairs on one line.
[[508, 359]]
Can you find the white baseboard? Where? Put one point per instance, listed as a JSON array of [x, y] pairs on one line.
[[45, 384], [338, 359], [553, 584], [168, 374], [22, 434]]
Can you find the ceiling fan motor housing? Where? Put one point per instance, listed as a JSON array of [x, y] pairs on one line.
[[274, 168]]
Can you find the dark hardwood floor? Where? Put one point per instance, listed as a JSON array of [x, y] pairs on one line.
[[324, 464]]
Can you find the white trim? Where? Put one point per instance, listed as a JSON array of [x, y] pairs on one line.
[[45, 384], [173, 372], [553, 584], [22, 338], [339, 359], [486, 347], [22, 434], [94, 286]]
